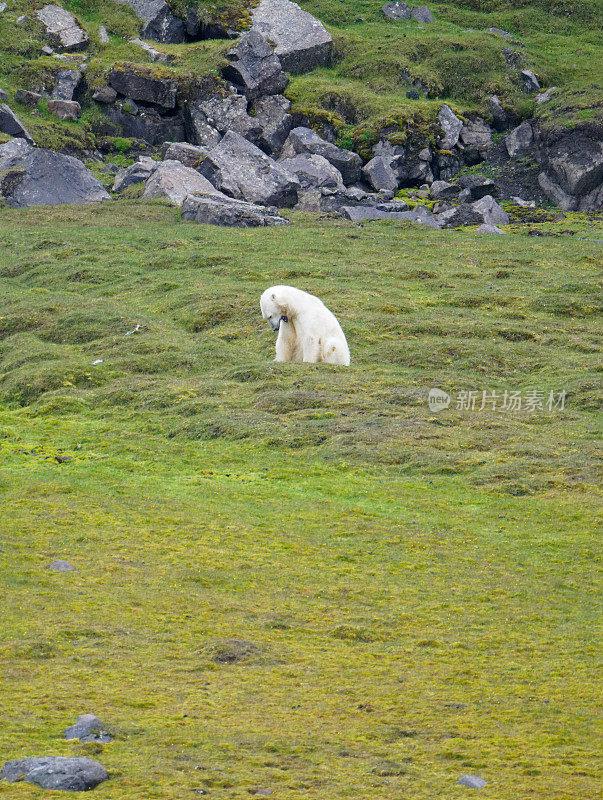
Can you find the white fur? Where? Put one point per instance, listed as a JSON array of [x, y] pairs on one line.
[[311, 332]]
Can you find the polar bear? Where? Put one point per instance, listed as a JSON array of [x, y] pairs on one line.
[[307, 330]]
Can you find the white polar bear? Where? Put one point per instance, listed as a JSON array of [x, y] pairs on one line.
[[307, 330]]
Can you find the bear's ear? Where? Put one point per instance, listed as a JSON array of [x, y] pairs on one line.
[[273, 296]]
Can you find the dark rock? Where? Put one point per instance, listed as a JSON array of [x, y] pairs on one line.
[[479, 185], [62, 566], [174, 182], [255, 68], [15, 147], [222, 114], [228, 213], [492, 213], [66, 84], [451, 127], [158, 21], [463, 214], [502, 119], [313, 172], [65, 109], [447, 166], [472, 781], [62, 28], [302, 42], [56, 772], [135, 173], [396, 10], [520, 139], [88, 728], [530, 81], [422, 14], [593, 201], [147, 124], [576, 163], [305, 140], [188, 154], [27, 99], [10, 124], [143, 85], [412, 95], [272, 115], [43, 177], [105, 95], [442, 190], [198, 129], [488, 228], [556, 194], [475, 139], [379, 174], [240, 169], [394, 156]]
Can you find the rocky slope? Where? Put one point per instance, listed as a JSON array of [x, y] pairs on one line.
[[217, 106]]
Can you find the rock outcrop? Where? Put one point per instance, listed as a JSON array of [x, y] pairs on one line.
[[158, 22], [254, 68], [229, 213], [173, 181], [62, 29], [305, 140]]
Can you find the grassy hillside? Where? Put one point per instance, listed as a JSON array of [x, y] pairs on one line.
[[419, 587], [455, 59]]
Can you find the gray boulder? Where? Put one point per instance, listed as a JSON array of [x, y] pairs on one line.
[[240, 169], [12, 125], [396, 10], [442, 190], [451, 127], [254, 67], [422, 14], [576, 163], [463, 214], [43, 177], [66, 84], [146, 123], [519, 140], [420, 215], [313, 172], [143, 85], [472, 781], [188, 154], [62, 28], [158, 22], [380, 175], [272, 115], [15, 147], [448, 164], [305, 140], [491, 211], [475, 139], [222, 114], [478, 185], [301, 41], [394, 156], [228, 213], [27, 99], [530, 81], [88, 728], [198, 129], [556, 194], [486, 227], [173, 181], [65, 109], [135, 173], [56, 772], [502, 119], [593, 201], [60, 565], [105, 94]]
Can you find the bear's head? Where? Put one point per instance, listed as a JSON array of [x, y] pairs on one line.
[[274, 307]]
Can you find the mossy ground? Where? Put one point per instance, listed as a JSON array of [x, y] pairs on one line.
[[420, 587]]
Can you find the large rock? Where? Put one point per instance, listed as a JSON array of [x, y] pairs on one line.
[[478, 185], [463, 214], [394, 155], [136, 173], [43, 177], [501, 118], [475, 139], [254, 67], [158, 21], [530, 81], [556, 194], [396, 10], [173, 181], [12, 125], [240, 169], [491, 211], [142, 84], [188, 154], [62, 28], [147, 124], [487, 227], [66, 83], [65, 109], [422, 14], [576, 163], [221, 114], [313, 172], [418, 214], [56, 772], [272, 115], [302, 42], [380, 175], [88, 728], [451, 127], [228, 213], [305, 140], [13, 148], [442, 190], [519, 140]]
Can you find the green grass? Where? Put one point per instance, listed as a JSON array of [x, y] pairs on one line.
[[420, 587]]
